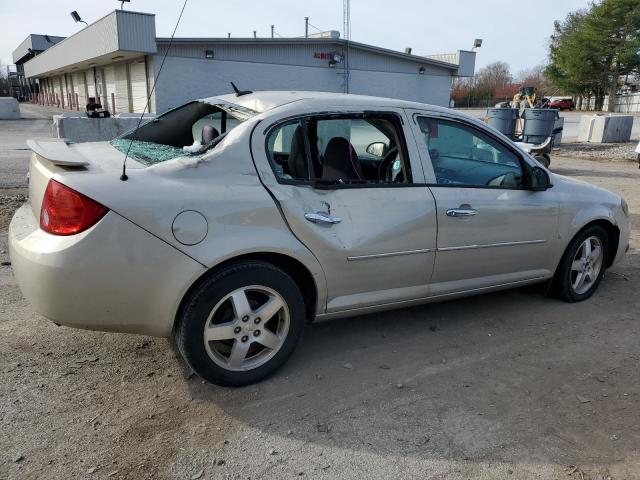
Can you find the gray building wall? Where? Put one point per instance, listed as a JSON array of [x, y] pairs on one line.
[[187, 75]]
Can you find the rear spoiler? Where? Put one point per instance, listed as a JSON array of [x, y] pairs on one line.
[[57, 151]]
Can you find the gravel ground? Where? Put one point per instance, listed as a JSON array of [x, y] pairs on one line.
[[10, 200], [507, 385], [609, 152]]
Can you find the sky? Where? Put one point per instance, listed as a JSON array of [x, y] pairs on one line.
[[509, 32]]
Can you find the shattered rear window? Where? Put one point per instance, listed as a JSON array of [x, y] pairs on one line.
[[147, 153], [191, 129]]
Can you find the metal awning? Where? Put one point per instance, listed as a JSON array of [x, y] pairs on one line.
[[120, 35]]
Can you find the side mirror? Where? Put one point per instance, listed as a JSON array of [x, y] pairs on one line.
[[377, 149], [540, 180]]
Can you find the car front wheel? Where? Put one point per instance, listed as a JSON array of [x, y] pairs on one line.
[[241, 324], [582, 266]]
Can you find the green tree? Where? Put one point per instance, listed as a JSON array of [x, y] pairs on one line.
[[591, 49]]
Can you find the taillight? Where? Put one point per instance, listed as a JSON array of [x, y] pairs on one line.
[[67, 212]]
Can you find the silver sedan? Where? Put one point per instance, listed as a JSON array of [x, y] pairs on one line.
[[238, 219]]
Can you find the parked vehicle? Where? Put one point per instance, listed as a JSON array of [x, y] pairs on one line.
[[563, 104], [297, 206]]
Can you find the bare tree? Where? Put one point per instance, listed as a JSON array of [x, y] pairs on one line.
[[4, 81], [535, 77]]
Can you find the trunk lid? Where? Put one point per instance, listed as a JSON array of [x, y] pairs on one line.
[[59, 158]]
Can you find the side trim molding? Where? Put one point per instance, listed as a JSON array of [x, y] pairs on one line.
[[389, 254], [490, 245]]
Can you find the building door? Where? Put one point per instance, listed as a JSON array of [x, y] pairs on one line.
[[138, 82], [110, 87]]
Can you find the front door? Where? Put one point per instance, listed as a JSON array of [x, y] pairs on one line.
[[492, 229], [351, 188]]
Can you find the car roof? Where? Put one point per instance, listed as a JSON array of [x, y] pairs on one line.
[[267, 100]]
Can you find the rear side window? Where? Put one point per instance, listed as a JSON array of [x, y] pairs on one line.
[[462, 155], [349, 150]]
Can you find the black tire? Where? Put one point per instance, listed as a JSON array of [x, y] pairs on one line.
[[562, 282], [544, 159], [202, 300]]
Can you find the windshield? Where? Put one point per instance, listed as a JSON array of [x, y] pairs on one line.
[[191, 129]]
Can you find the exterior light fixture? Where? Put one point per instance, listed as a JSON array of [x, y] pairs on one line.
[[477, 43], [122, 3], [76, 18], [335, 58], [421, 70], [208, 54]]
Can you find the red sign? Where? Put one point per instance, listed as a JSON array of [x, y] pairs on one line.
[[323, 55]]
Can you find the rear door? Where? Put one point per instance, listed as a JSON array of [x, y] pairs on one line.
[[351, 188], [492, 230]]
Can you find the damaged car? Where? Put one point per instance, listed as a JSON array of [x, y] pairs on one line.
[[229, 223]]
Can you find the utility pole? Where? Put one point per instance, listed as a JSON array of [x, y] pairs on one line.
[[346, 31], [272, 30], [306, 27]]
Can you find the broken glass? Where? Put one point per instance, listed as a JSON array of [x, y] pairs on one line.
[[147, 153]]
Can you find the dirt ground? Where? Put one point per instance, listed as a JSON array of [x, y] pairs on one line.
[[510, 385]]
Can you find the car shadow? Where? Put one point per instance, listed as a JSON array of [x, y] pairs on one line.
[[481, 378]]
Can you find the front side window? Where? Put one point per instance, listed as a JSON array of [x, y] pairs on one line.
[[350, 150], [462, 155]]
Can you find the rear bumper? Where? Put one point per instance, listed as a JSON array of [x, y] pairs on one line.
[[113, 277]]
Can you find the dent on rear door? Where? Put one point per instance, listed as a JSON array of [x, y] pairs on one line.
[[383, 248]]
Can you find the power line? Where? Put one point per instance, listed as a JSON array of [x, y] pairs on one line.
[[318, 29], [124, 177]]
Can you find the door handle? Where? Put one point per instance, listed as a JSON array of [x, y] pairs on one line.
[[461, 212], [322, 217]]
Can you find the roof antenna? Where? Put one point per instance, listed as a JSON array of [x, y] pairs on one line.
[[240, 93], [124, 176]]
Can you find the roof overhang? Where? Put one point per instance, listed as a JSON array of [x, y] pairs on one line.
[[120, 35], [35, 43]]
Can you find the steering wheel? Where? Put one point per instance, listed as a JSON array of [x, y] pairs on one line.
[[385, 169]]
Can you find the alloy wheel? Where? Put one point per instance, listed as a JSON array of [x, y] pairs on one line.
[[246, 328], [586, 265]]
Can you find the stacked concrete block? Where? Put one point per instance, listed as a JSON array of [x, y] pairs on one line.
[[605, 128]]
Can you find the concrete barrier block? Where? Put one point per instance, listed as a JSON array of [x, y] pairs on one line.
[[618, 129], [605, 128], [9, 108], [80, 128]]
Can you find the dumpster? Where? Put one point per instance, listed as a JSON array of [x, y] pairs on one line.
[[538, 124], [503, 120]]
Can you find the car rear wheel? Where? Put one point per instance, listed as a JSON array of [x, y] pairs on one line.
[[582, 266], [241, 324]]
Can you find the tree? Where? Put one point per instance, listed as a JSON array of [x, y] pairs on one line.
[[4, 81], [615, 26], [494, 76], [490, 83], [536, 77], [591, 49]]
